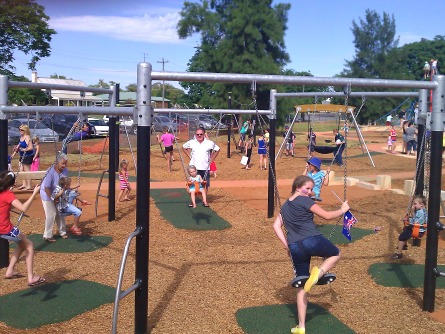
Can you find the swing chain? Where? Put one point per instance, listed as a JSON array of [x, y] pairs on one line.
[[420, 164]]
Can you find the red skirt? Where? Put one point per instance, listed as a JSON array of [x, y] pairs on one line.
[[213, 166]]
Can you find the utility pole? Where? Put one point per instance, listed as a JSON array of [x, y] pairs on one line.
[[163, 61], [145, 54]]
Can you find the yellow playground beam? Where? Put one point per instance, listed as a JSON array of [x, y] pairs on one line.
[[322, 108]]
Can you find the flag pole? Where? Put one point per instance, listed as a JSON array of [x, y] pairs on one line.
[[337, 196]]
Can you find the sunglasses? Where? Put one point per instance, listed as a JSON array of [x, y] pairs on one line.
[[21, 129], [200, 134]]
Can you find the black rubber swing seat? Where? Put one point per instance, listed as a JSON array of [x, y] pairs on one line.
[[299, 281], [324, 149]]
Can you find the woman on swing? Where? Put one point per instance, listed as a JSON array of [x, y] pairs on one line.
[[8, 199], [303, 240]]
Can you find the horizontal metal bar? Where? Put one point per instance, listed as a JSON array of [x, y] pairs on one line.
[[211, 111], [100, 195], [289, 80], [352, 94], [130, 290], [40, 85], [111, 111]]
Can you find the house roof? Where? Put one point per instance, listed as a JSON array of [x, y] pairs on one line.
[[58, 94]]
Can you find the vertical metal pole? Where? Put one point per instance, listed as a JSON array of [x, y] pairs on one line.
[[144, 111], [117, 145], [437, 117], [4, 244], [112, 162], [421, 126], [272, 136], [229, 126]]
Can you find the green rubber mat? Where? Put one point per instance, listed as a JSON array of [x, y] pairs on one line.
[[52, 303], [338, 238], [279, 319], [402, 275], [74, 244], [173, 204]]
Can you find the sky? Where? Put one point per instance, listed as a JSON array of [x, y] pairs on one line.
[[98, 39]]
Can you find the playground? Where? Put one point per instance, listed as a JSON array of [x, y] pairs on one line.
[[221, 269]]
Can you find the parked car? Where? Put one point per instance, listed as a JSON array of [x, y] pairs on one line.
[[215, 123], [126, 122], [196, 121], [160, 121], [62, 124], [98, 127], [13, 135], [45, 134]]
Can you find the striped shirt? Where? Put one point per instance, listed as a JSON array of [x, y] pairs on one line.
[[420, 217], [318, 178]]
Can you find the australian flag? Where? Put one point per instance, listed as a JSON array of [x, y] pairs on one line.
[[348, 221]]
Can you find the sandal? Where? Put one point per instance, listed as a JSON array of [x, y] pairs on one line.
[[40, 281], [50, 239], [205, 205], [190, 205], [65, 236], [76, 231]]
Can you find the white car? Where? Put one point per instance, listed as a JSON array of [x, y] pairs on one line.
[[98, 127]]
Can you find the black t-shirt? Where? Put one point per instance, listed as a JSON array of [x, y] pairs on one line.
[[401, 114], [298, 219]]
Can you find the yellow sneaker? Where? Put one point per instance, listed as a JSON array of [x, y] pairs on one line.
[[312, 280], [297, 330]]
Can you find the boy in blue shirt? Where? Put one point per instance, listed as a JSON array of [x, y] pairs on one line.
[[320, 178]]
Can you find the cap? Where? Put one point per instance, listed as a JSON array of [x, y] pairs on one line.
[[316, 162], [286, 127]]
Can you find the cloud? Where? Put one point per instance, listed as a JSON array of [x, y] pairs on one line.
[[408, 37], [147, 28]]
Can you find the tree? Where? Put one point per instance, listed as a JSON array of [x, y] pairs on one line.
[[23, 27], [374, 39], [20, 96], [131, 87], [375, 57], [237, 36]]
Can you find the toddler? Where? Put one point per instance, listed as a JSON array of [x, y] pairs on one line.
[[420, 217], [123, 179], [194, 181], [64, 196]]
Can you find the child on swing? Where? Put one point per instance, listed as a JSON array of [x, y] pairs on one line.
[[420, 217], [195, 177], [320, 178], [303, 240], [124, 183], [63, 197]]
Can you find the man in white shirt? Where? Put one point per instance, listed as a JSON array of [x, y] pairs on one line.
[[201, 152]]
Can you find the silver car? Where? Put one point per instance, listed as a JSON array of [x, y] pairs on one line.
[[45, 134], [160, 121], [13, 136]]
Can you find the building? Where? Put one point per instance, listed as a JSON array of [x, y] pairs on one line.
[[67, 98], [128, 99]]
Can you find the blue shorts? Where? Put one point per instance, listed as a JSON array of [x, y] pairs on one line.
[[302, 251], [71, 210]]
